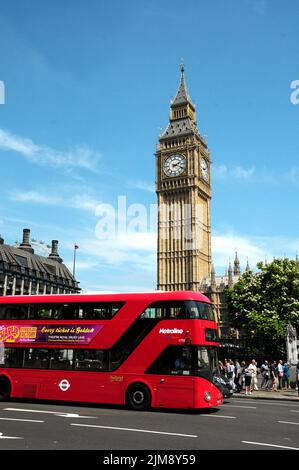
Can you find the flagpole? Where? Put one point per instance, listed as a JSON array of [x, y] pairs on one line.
[[74, 261]]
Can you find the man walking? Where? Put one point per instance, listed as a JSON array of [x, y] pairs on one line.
[[266, 375]]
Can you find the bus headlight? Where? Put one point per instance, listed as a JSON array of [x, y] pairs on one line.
[[208, 396]]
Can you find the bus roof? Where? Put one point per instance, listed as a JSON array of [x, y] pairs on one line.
[[153, 296]]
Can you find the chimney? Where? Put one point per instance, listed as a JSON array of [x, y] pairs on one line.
[[1, 240], [25, 245], [54, 252]]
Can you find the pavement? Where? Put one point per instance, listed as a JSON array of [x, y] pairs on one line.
[[282, 394]]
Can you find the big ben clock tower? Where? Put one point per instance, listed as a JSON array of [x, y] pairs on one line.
[[183, 187]]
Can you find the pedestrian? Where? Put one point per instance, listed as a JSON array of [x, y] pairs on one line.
[[280, 373], [273, 375], [230, 373], [221, 368], [265, 375], [238, 376], [253, 369], [242, 376], [297, 377], [248, 378], [286, 380]]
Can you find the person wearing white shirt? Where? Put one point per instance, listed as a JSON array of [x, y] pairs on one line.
[[252, 367]]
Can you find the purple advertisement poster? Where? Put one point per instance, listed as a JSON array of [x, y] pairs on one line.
[[78, 334]]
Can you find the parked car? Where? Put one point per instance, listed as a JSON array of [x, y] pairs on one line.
[[224, 385]]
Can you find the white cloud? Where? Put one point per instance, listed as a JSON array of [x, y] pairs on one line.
[[36, 197], [82, 265], [259, 6], [78, 201], [133, 249], [254, 248], [138, 250], [241, 173], [143, 185], [223, 171], [264, 176], [84, 202], [293, 175], [78, 157]]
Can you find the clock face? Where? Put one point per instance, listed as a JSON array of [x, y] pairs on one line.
[[174, 165], [204, 169]]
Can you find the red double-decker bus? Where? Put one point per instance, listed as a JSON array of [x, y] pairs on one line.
[[140, 350]]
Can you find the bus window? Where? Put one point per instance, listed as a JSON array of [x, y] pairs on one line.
[[13, 312], [174, 360], [61, 359], [36, 358], [89, 310], [42, 312], [91, 359], [68, 311], [180, 310], [161, 310], [13, 357], [100, 311]]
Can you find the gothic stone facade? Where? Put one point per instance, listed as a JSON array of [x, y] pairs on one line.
[[183, 187], [184, 193]]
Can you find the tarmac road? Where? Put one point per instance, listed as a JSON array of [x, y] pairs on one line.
[[238, 424]]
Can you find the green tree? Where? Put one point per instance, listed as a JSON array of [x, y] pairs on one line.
[[261, 304]]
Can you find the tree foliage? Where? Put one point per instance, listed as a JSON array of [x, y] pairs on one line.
[[261, 304]]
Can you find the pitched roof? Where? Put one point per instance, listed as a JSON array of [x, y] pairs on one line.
[[181, 127], [182, 95], [22, 258]]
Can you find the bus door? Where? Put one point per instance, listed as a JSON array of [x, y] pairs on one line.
[[174, 381], [175, 391]]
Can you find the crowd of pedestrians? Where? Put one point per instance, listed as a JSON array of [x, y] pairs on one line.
[[244, 376]]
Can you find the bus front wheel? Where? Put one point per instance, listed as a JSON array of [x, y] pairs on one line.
[[5, 389], [138, 397]]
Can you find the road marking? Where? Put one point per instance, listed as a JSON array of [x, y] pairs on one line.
[[9, 437], [294, 411], [287, 422], [133, 430], [269, 445], [219, 416], [27, 420], [259, 401], [57, 413], [240, 406]]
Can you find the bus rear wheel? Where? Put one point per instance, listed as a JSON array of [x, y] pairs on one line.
[[5, 389], [138, 397]]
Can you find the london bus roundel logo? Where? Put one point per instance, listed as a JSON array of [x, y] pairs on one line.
[[64, 385]]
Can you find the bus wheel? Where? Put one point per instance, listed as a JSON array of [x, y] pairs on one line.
[[5, 389], [138, 397]]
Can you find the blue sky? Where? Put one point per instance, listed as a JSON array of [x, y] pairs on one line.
[[87, 92]]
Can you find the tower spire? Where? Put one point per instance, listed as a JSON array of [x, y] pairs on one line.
[[213, 279], [237, 270], [182, 97], [230, 275]]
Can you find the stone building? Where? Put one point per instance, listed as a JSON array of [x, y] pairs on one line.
[[23, 272], [214, 287]]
